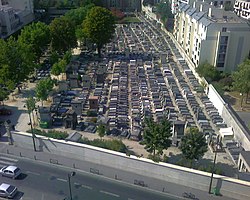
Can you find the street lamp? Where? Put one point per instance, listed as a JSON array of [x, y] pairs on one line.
[[215, 156], [69, 177]]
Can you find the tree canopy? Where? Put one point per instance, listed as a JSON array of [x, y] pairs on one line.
[[99, 26], [63, 36], [37, 35], [209, 72], [43, 88], [156, 136], [193, 145], [241, 79], [16, 62], [101, 130], [164, 10]]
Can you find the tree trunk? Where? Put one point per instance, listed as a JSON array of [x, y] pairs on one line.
[[247, 97], [99, 47], [241, 102], [42, 103]]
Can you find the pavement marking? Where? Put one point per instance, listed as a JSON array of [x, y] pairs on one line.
[[34, 173], [87, 187], [5, 162], [9, 159], [60, 179], [109, 193]]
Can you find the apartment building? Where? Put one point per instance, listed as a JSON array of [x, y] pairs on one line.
[[242, 8], [209, 33], [14, 14]]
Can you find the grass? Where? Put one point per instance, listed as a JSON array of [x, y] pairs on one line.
[[130, 20]]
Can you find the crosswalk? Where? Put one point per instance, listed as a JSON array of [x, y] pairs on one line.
[[4, 161]]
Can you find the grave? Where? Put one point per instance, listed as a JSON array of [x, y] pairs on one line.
[[70, 119], [62, 86], [77, 106], [73, 81], [86, 81], [45, 116], [93, 102]]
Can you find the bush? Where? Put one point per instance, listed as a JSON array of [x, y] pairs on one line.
[[115, 145], [91, 113], [155, 158], [51, 133]]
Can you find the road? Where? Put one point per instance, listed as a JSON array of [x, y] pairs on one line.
[[49, 182]]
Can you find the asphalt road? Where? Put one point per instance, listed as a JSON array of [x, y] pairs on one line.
[[49, 182]]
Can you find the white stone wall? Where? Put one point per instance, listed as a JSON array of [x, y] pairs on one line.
[[180, 175]]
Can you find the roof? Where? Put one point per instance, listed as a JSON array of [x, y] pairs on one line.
[[4, 186], [246, 156], [94, 97]]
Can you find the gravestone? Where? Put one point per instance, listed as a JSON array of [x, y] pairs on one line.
[[73, 81], [86, 81], [77, 107], [62, 86]]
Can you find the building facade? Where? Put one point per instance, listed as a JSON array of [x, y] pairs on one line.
[[14, 14], [242, 8], [206, 33]]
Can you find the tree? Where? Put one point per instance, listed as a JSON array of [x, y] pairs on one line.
[[241, 79], [193, 145], [209, 72], [99, 26], [78, 15], [63, 36], [16, 61], [156, 136], [59, 67], [37, 35], [101, 130], [164, 10], [31, 106], [43, 87]]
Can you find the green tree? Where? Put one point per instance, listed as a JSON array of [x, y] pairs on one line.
[[101, 130], [59, 67], [193, 145], [3, 94], [31, 106], [16, 61], [37, 35], [241, 79], [78, 15], [156, 136], [99, 26], [54, 57], [43, 88], [164, 10], [63, 36], [209, 72]]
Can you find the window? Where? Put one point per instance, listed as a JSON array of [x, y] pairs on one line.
[[224, 29]]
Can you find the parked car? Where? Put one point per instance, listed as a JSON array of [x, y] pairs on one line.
[[7, 191], [10, 171]]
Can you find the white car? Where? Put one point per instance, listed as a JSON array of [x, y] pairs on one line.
[[7, 191], [10, 171]]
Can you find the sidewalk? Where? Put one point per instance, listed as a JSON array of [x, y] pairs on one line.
[[111, 173]]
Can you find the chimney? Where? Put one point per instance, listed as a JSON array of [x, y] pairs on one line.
[[201, 8], [209, 12]]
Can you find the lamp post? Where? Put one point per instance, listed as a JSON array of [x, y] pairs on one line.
[[30, 103], [69, 177], [215, 156]]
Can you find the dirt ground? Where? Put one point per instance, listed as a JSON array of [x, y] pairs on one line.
[[234, 99]]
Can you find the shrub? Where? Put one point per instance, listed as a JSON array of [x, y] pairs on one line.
[[51, 133]]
